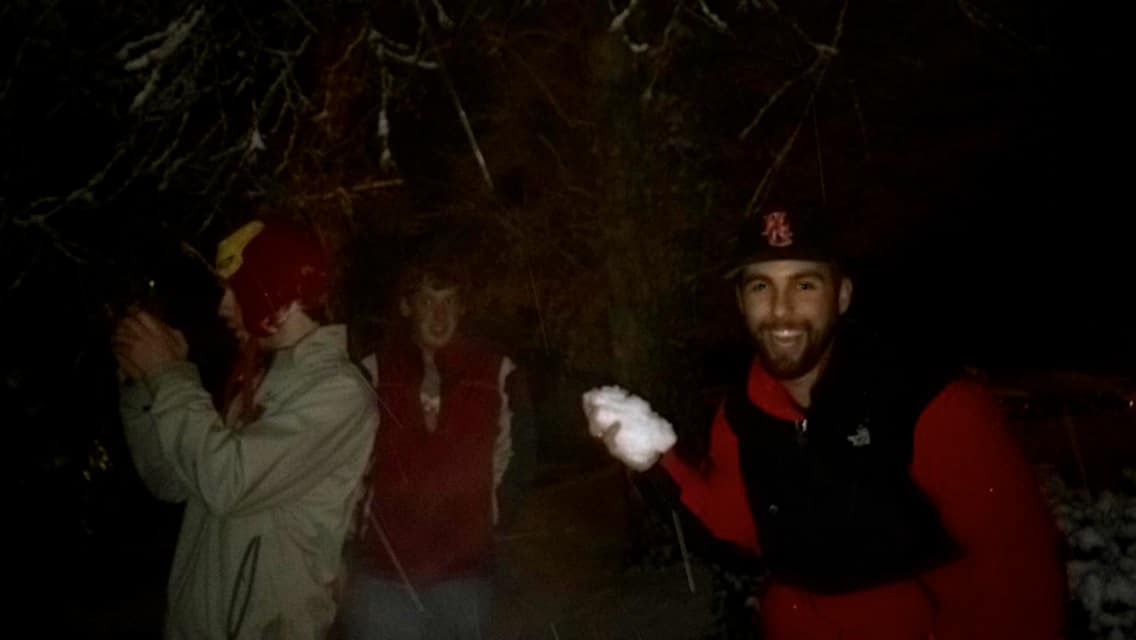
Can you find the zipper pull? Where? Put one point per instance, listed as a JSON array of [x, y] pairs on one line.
[[802, 432]]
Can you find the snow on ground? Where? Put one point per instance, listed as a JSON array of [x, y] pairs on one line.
[[1101, 534]]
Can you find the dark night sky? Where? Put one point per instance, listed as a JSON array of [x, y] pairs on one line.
[[1025, 243]]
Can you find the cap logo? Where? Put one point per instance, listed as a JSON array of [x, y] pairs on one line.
[[777, 230]]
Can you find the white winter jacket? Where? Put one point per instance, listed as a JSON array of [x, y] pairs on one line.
[[268, 504]]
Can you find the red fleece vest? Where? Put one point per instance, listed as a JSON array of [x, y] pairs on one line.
[[431, 492]]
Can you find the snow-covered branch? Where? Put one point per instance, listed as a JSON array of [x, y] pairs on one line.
[[444, 20], [388, 49], [171, 38], [714, 19], [618, 22]]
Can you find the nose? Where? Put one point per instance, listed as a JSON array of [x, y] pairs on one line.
[[227, 307], [782, 303], [223, 305], [438, 313]]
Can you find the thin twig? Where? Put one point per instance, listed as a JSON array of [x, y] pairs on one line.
[[756, 200], [682, 549], [860, 119], [824, 56], [772, 5], [397, 565], [571, 122], [300, 14], [349, 49], [454, 96], [981, 19], [824, 53], [620, 20], [1075, 445], [536, 302], [820, 156], [191, 251], [777, 96]]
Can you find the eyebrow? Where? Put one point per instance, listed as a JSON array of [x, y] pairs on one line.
[[750, 277], [804, 275]]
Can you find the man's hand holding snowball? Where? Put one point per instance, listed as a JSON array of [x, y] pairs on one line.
[[632, 432]]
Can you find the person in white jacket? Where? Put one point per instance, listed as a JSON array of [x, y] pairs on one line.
[[270, 478]]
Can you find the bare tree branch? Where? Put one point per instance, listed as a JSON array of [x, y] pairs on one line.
[[984, 20], [454, 96], [823, 54]]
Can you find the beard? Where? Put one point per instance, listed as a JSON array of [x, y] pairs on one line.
[[789, 360]]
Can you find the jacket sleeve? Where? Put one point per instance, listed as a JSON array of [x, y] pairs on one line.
[[716, 494], [1010, 581], [503, 443], [280, 456], [158, 476], [515, 450]]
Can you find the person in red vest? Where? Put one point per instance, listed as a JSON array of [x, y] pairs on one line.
[[449, 405], [886, 498]]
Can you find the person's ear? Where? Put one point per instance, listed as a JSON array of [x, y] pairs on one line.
[[274, 322], [269, 326], [844, 297]]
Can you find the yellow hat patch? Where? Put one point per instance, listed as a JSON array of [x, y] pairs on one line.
[[230, 250]]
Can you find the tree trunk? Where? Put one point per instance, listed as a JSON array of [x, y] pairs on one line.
[[635, 330]]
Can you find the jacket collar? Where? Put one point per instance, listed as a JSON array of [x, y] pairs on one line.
[[325, 339], [770, 395]]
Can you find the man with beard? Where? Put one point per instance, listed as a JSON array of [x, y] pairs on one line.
[[886, 499]]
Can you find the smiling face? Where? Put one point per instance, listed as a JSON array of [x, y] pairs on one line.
[[791, 308], [434, 315]]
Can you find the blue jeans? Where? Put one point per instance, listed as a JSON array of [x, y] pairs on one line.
[[382, 609]]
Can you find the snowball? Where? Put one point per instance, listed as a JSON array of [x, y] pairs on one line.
[[632, 431]]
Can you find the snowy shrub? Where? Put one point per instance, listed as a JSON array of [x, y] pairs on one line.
[[1101, 535]]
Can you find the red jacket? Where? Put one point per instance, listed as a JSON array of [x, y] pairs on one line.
[[1009, 584], [432, 492]]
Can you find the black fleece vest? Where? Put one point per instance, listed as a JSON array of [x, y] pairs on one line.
[[833, 501]]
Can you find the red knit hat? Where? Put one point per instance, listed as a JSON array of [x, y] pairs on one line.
[[270, 265]]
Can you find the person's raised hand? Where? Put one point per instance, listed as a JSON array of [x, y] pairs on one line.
[[631, 431], [143, 344]]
